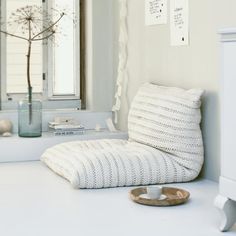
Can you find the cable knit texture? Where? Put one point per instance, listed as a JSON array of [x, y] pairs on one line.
[[164, 146]]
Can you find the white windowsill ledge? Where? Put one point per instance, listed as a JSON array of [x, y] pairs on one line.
[[87, 118], [17, 149]]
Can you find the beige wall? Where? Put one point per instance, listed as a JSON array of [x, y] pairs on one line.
[[151, 58]]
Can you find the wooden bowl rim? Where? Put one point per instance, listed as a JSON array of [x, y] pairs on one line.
[[135, 196]]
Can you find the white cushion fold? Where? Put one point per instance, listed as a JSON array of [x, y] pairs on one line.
[[165, 144]]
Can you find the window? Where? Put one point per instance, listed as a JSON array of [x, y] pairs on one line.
[[55, 66]]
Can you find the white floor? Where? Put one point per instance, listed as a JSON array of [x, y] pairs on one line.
[[36, 202]]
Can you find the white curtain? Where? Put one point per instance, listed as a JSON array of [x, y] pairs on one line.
[[122, 75]]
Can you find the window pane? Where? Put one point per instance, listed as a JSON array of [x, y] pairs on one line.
[[64, 52], [16, 55]]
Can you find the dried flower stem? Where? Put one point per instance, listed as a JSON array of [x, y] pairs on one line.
[[13, 35], [48, 29], [28, 74], [25, 16], [46, 37]]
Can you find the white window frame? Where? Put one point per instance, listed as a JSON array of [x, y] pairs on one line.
[[51, 101]]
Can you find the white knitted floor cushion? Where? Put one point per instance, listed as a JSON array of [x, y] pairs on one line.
[[165, 145]]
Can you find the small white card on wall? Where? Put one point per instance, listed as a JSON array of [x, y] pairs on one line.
[[155, 12], [179, 22]]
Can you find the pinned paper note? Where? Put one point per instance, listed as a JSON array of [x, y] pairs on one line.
[[179, 22], [155, 12]]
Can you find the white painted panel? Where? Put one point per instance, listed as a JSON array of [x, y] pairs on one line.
[[228, 111], [226, 186], [16, 59]]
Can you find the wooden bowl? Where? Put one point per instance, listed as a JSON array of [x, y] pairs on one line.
[[174, 196]]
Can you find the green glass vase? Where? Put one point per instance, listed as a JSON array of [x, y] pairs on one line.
[[30, 118]]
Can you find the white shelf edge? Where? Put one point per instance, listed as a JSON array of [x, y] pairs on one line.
[[17, 149]]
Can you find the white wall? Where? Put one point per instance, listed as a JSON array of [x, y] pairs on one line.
[[151, 58], [100, 79]]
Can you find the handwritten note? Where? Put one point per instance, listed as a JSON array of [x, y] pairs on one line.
[[179, 23], [155, 12]]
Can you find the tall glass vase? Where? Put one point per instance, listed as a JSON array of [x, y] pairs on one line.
[[30, 118]]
